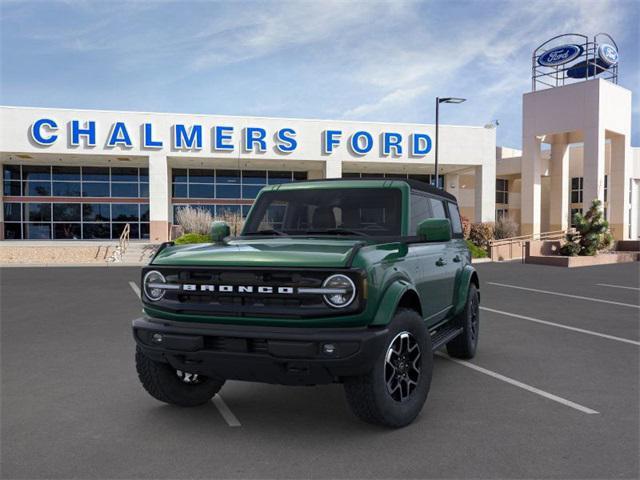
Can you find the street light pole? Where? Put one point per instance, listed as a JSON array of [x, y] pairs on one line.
[[438, 102], [435, 181]]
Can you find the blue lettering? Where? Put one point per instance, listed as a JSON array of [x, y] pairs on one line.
[[391, 140], [421, 144], [330, 141], [253, 136], [221, 137], [186, 139], [147, 138], [286, 141], [36, 131], [356, 144], [89, 131], [119, 136]]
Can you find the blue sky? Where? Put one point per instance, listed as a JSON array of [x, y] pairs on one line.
[[368, 60]]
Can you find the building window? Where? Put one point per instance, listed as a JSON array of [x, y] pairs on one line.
[[576, 190], [573, 212], [66, 214], [201, 185], [427, 178], [502, 190], [502, 213], [606, 187]]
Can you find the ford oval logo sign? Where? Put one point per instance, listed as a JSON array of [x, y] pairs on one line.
[[560, 55], [608, 54]]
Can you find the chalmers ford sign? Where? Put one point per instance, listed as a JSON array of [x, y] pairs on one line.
[[46, 132]]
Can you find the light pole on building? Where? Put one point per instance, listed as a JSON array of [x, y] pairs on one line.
[[438, 102]]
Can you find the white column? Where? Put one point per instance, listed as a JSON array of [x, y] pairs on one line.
[[332, 168], [531, 188], [159, 197], [593, 167], [559, 205], [485, 192], [618, 188]]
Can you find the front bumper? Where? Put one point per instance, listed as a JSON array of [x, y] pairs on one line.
[[282, 355]]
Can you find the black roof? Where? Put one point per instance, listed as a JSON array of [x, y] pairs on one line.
[[414, 184]]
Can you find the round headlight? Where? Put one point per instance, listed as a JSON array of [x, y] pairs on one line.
[[151, 281], [343, 291]]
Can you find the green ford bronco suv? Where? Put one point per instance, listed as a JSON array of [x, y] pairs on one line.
[[349, 281]]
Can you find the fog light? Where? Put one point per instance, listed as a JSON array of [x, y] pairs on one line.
[[329, 348], [156, 338]]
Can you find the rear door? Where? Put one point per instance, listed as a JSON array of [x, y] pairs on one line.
[[430, 274], [448, 261]]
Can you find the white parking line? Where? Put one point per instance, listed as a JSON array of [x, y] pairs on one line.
[[135, 288], [226, 413], [579, 297], [617, 286], [566, 327], [524, 386]]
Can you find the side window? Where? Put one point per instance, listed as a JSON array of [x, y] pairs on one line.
[[420, 209], [437, 207], [454, 215]]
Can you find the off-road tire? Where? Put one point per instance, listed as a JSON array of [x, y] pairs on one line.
[[163, 383], [368, 395], [465, 344]]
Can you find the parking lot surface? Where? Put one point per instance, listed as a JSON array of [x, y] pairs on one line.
[[552, 393]]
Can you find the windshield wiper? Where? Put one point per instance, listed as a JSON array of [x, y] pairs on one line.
[[268, 231], [337, 231]]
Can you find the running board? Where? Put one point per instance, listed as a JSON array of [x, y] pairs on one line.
[[443, 336]]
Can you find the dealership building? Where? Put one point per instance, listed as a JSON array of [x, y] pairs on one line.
[[86, 174]]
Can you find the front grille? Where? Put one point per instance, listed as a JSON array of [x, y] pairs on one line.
[[253, 304]]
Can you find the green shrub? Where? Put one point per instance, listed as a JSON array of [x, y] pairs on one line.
[[476, 251], [482, 233], [192, 238], [591, 235]]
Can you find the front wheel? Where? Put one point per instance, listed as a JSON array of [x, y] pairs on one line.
[[172, 386], [394, 391]]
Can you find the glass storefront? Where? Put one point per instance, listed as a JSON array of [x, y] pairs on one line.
[[209, 188], [114, 197], [422, 178]]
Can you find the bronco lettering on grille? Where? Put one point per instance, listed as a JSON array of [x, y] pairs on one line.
[[192, 287]]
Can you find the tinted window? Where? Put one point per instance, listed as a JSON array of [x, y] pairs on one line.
[[66, 189], [437, 208], [96, 212], [32, 172], [66, 173], [124, 189], [37, 212], [420, 210], [368, 211], [66, 212], [12, 189], [100, 174], [454, 215], [124, 174], [95, 189], [11, 172], [12, 212], [37, 189], [124, 212]]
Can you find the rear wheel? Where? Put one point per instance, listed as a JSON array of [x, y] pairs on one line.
[[172, 386], [465, 344], [394, 391]]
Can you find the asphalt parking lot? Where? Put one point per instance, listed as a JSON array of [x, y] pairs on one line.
[[552, 393]]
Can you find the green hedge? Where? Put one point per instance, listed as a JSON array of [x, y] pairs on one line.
[[476, 251], [192, 238]]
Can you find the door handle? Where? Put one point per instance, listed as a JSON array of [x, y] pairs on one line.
[[441, 262], [457, 259]]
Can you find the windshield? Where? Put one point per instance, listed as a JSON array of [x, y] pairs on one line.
[[333, 211]]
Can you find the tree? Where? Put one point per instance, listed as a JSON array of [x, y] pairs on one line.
[[591, 235]]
